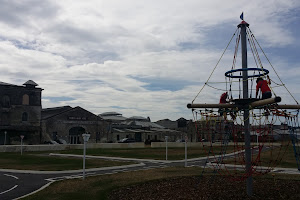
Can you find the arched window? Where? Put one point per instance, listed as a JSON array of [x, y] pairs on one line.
[[25, 100], [5, 101], [24, 117]]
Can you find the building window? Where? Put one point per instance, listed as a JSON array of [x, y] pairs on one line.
[[118, 137], [5, 101], [25, 100], [25, 117]]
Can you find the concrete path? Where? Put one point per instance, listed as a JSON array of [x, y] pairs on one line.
[[15, 184]]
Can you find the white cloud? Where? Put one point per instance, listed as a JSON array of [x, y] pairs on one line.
[[106, 55]]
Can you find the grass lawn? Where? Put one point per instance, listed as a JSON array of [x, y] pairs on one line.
[[153, 153], [284, 157], [44, 163], [99, 187], [274, 157]]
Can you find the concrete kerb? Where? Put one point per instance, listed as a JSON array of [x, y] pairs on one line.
[[144, 160], [242, 167], [113, 158], [71, 171], [60, 147]]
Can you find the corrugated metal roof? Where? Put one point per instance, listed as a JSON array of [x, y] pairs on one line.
[[148, 124], [118, 130], [137, 118], [164, 130], [113, 118], [109, 114], [133, 130], [2, 83]]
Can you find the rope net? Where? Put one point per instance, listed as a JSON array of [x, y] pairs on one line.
[[221, 131], [222, 138]]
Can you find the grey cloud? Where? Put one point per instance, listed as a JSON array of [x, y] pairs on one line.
[[20, 13]]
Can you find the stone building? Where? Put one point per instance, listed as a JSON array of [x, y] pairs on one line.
[[186, 127], [211, 128], [67, 124], [20, 113], [139, 128]]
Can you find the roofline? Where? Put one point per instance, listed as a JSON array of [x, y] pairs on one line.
[[20, 86], [70, 110]]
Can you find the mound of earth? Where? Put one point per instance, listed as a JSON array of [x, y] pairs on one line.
[[215, 187]]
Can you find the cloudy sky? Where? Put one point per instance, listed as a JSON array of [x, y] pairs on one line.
[[138, 57]]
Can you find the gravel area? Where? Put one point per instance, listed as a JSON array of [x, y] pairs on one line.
[[215, 187]]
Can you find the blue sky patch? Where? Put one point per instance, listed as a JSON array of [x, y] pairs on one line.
[[156, 84], [59, 98]]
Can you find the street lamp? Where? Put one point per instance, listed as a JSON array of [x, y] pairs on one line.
[[185, 150], [166, 139], [86, 138], [22, 137], [5, 132]]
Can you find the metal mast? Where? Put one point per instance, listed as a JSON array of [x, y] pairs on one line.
[[243, 25]]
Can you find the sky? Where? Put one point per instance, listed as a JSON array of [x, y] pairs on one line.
[[138, 57]]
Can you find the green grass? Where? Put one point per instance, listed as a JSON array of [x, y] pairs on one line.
[[285, 157], [99, 187], [152, 153], [44, 162], [40, 160], [274, 157]]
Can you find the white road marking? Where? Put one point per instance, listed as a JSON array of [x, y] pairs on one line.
[[11, 176], [43, 187], [9, 189], [117, 171]]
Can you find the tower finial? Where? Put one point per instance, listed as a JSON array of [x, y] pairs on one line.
[[242, 16]]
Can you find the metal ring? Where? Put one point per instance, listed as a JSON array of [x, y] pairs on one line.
[[263, 72]]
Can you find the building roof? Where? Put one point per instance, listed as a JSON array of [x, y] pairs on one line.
[[109, 114], [144, 124], [2, 83], [113, 118], [148, 124], [137, 118], [49, 112], [56, 111], [30, 82], [154, 130]]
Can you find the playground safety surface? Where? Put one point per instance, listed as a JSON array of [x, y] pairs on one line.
[[205, 187]]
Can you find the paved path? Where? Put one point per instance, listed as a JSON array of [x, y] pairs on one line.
[[15, 184]]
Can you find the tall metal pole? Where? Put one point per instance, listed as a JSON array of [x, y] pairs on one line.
[[243, 25], [5, 137], [166, 138], [185, 151], [85, 140], [84, 152]]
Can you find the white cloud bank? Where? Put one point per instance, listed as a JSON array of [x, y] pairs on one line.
[[126, 56]]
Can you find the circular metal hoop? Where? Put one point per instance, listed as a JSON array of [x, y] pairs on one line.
[[261, 72]]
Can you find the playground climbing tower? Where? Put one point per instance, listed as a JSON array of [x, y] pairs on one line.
[[243, 106]]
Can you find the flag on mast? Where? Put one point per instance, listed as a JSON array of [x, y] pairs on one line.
[[242, 16]]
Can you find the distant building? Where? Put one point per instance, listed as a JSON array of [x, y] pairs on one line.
[[139, 128], [167, 123], [186, 127], [20, 112], [179, 124], [68, 124], [112, 117]]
